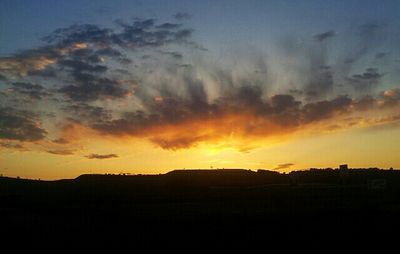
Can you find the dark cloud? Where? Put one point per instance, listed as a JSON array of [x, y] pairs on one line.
[[369, 74], [101, 156], [91, 57], [11, 145], [109, 52], [242, 97], [83, 112], [61, 151], [244, 106], [169, 26], [365, 103], [185, 65], [90, 88], [323, 36], [182, 16], [78, 57], [61, 141], [30, 61], [20, 125], [49, 72], [144, 33], [381, 55], [85, 33], [325, 109], [34, 91], [284, 110], [178, 142], [367, 80], [2, 78], [172, 54], [86, 73], [283, 102], [284, 166], [86, 64], [390, 98], [182, 34], [79, 66], [27, 86]]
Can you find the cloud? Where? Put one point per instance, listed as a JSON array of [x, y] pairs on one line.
[[61, 151], [82, 58], [35, 61], [174, 123], [392, 94], [365, 103], [128, 81], [177, 142], [284, 166], [325, 109], [87, 113], [182, 16], [33, 91], [140, 33], [172, 54], [9, 145], [94, 89], [367, 80], [369, 74], [60, 141], [20, 125], [101, 156], [324, 36], [390, 98], [169, 26]]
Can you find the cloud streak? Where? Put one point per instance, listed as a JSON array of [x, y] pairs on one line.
[[101, 156], [61, 151], [284, 166]]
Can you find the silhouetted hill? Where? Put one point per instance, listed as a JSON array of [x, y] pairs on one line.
[[218, 203]]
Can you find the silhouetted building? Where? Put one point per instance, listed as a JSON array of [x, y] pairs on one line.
[[343, 167]]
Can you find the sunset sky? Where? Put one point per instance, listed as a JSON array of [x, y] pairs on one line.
[[145, 87]]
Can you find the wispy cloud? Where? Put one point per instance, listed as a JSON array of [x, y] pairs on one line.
[[283, 166], [101, 156], [61, 151]]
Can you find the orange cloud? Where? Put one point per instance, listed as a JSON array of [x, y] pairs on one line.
[[248, 127], [35, 60]]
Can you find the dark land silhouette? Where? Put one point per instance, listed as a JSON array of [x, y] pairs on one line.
[[196, 207]]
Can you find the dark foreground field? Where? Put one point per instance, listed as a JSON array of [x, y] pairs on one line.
[[193, 209]]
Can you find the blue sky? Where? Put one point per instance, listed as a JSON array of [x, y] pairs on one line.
[[217, 23]]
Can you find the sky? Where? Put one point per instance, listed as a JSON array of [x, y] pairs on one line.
[[145, 87]]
